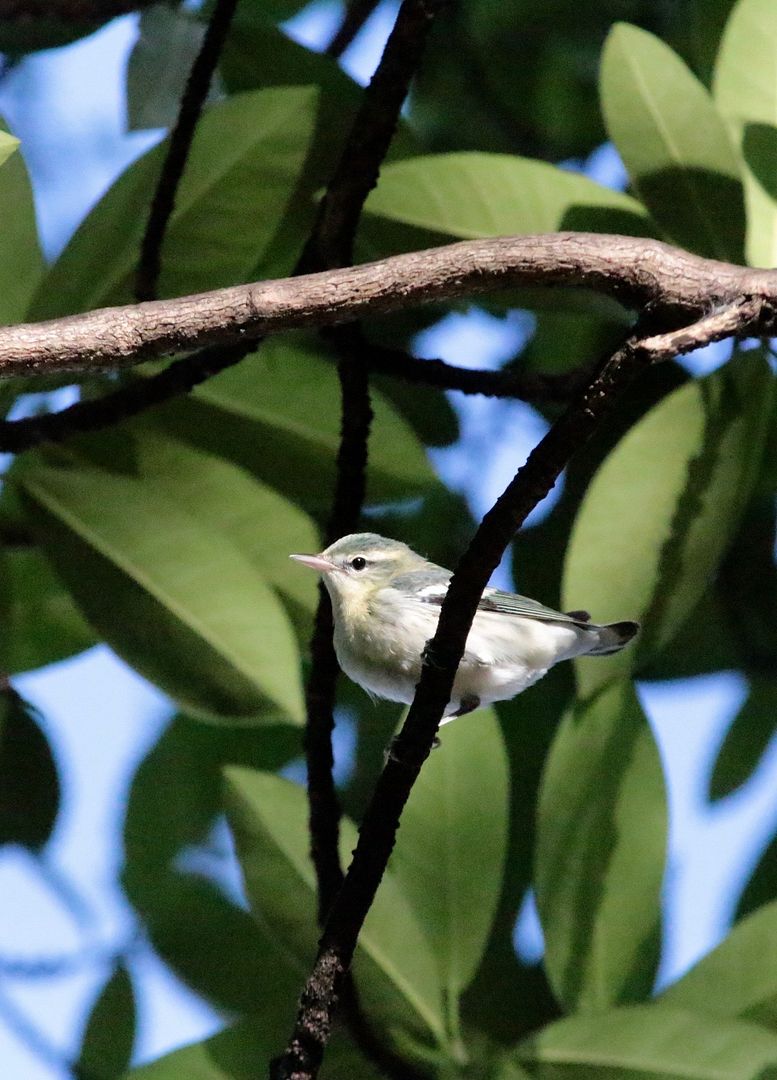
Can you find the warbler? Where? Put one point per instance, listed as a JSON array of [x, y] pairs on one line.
[[386, 601]]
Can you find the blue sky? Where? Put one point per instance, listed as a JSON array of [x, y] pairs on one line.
[[101, 718]]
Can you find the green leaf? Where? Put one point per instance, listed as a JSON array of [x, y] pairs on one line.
[[471, 195], [278, 414], [739, 977], [21, 261], [243, 1052], [159, 66], [746, 93], [236, 190], [663, 507], [218, 950], [746, 740], [176, 793], [674, 144], [650, 1041], [43, 623], [171, 595], [601, 845], [261, 524], [29, 782], [394, 966], [174, 802], [450, 851], [106, 1046]]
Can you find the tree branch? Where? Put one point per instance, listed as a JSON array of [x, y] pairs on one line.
[[331, 244], [192, 102], [356, 15], [441, 659], [635, 271]]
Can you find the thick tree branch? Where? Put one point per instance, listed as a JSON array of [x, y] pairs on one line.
[[636, 271], [441, 659], [192, 102]]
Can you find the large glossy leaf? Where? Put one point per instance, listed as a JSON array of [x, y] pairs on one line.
[[243, 1052], [43, 623], [450, 852], [601, 844], [739, 977], [746, 92], [174, 597], [649, 1042], [106, 1046], [237, 188], [263, 525], [278, 414], [395, 968], [29, 782], [661, 510], [479, 195], [21, 261], [674, 144]]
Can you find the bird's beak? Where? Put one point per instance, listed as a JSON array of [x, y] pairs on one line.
[[315, 562]]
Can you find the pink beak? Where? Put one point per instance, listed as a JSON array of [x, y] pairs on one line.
[[315, 562]]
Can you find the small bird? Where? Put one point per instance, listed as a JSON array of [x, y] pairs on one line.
[[386, 601]]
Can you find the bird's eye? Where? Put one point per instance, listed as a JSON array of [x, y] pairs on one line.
[[358, 563]]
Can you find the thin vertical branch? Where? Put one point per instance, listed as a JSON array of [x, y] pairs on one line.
[[192, 103], [304, 1053], [330, 245]]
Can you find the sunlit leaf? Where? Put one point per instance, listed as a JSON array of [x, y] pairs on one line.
[[662, 509], [674, 144], [601, 846], [649, 1041], [172, 596], [478, 195]]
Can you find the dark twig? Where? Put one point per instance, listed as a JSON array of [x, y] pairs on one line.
[[192, 103], [331, 242], [443, 653], [141, 394], [507, 383], [356, 15]]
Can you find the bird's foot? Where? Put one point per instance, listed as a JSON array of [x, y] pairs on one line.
[[468, 704]]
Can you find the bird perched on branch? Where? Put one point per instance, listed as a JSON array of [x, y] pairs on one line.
[[386, 601]]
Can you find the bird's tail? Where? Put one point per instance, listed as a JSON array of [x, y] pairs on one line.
[[611, 638]]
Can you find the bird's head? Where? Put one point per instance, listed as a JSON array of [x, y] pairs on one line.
[[360, 564]]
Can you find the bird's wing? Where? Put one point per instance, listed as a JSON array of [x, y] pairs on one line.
[[430, 585]]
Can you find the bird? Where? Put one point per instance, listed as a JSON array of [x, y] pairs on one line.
[[386, 601]]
